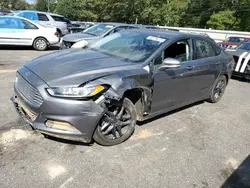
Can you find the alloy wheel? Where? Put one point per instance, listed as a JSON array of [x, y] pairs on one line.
[[40, 44], [116, 122], [219, 89]]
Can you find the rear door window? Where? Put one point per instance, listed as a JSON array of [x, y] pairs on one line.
[[27, 25], [203, 49], [58, 18], [42, 17]]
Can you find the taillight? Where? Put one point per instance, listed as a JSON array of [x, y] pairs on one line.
[[56, 34]]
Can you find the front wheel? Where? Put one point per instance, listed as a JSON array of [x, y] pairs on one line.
[[117, 124], [218, 90], [40, 44]]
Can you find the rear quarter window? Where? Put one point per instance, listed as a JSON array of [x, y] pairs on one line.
[[42, 17]]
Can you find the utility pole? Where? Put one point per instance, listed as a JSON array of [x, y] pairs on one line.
[[48, 5]]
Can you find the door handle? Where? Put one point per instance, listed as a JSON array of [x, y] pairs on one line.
[[190, 67], [217, 63]]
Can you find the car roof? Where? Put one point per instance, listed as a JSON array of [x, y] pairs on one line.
[[168, 34], [116, 24], [52, 14]]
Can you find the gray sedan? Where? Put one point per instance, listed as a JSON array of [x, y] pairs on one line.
[[100, 92]]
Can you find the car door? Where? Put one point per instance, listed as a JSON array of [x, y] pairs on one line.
[[10, 32], [175, 87], [208, 65], [29, 32], [6, 32]]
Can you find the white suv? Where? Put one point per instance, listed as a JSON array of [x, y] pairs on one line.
[[46, 19]]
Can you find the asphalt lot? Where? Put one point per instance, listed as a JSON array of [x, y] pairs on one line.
[[196, 147]]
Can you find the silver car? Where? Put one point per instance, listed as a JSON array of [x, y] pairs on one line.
[[92, 34], [46, 19]]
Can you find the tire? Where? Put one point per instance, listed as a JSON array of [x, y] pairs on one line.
[[40, 44], [59, 34], [218, 90], [101, 139]]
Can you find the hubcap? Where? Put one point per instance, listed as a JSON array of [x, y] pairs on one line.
[[40, 44], [115, 122], [219, 89]]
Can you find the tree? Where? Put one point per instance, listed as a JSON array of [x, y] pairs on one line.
[[223, 20], [45, 5], [41, 5], [13, 4], [243, 14]]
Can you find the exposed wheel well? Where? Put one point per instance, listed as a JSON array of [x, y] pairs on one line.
[[135, 96], [227, 77]]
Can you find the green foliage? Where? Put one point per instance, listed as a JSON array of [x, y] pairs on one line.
[[223, 20], [13, 4], [217, 14], [45, 5], [41, 5]]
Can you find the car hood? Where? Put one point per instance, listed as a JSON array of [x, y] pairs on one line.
[[74, 67], [75, 37]]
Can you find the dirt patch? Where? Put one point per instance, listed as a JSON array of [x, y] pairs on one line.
[[13, 135]]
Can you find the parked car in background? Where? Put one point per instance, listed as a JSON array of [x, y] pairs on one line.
[[46, 19], [77, 27], [69, 23], [92, 34], [242, 58], [100, 92], [4, 12], [20, 31], [233, 42]]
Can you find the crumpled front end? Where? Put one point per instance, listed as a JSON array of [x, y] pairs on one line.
[[63, 118]]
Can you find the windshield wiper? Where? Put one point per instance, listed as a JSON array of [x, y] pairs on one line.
[[90, 33]]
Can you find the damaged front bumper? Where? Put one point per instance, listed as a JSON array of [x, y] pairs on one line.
[[61, 118]]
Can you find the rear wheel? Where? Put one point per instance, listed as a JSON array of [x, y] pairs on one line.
[[218, 90], [117, 124], [40, 44]]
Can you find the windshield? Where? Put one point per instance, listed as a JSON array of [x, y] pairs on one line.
[[99, 29], [245, 46], [129, 46]]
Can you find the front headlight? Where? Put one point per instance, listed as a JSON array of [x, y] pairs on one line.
[[80, 44], [75, 92]]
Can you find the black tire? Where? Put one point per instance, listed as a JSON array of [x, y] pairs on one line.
[[101, 139], [40, 44], [59, 34], [218, 89]]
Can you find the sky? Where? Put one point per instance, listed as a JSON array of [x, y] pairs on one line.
[[30, 1]]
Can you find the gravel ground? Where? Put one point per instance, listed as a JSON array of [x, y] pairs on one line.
[[200, 146]]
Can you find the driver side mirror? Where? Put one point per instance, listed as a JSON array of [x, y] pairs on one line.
[[170, 63]]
